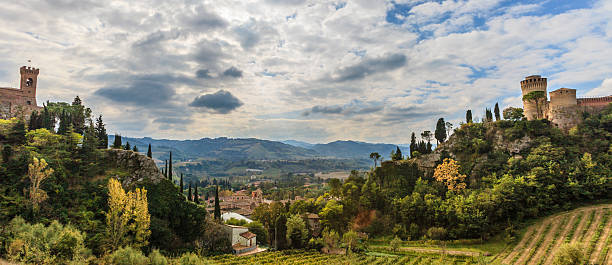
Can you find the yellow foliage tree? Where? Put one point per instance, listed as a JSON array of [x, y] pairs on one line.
[[448, 172], [37, 173], [128, 218]]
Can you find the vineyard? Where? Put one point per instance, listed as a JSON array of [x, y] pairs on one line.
[[313, 257], [588, 226]]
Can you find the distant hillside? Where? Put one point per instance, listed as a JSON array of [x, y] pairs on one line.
[[298, 143], [352, 149], [220, 149]]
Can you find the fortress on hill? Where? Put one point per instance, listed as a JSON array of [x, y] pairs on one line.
[[20, 102], [563, 109]]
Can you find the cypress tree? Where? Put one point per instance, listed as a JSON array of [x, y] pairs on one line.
[[488, 115], [440, 132], [166, 169], [127, 146], [101, 134], [397, 155], [413, 144], [17, 133], [196, 198], [47, 120], [117, 142], [170, 167], [217, 207], [468, 116], [189, 196], [149, 153], [181, 184], [135, 149], [497, 116]]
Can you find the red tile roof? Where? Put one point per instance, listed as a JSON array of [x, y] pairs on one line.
[[247, 235]]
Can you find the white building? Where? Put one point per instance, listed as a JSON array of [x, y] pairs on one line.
[[242, 240], [230, 215]]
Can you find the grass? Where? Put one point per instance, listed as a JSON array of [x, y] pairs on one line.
[[539, 242], [597, 234], [559, 230], [578, 218], [585, 229]]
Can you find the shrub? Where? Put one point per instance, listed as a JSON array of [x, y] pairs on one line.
[[128, 256], [191, 259], [395, 243], [569, 254], [436, 233], [156, 258]]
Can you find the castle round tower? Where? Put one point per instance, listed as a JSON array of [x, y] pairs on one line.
[[534, 97]]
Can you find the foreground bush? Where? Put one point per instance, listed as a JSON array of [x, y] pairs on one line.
[[39, 244], [569, 254], [128, 256]]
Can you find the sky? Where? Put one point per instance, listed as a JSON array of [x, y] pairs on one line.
[[308, 70]]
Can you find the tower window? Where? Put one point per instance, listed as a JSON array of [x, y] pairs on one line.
[[29, 102], [29, 82]]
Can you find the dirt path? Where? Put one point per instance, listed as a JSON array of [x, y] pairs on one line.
[[602, 241], [439, 251], [548, 240], [560, 240], [581, 225]]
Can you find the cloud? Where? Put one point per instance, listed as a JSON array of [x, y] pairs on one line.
[[221, 102], [370, 66], [233, 72], [605, 89], [203, 73], [353, 108], [140, 92]]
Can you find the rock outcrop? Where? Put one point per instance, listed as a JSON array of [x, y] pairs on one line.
[[137, 167]]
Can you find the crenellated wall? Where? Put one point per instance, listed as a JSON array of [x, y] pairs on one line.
[[534, 108]]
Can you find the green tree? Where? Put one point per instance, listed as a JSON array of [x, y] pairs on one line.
[[332, 215], [468, 116], [258, 229], [488, 115], [217, 206], [149, 153], [330, 239], [181, 188], [7, 152], [395, 243], [196, 196], [101, 134], [297, 233], [135, 149], [127, 146], [90, 141], [37, 173], [514, 114], [440, 132], [117, 142], [280, 232], [350, 240], [189, 196], [170, 167], [375, 156], [397, 155], [496, 110], [413, 144], [17, 133]]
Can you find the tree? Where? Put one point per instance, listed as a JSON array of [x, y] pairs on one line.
[[427, 136], [258, 229], [350, 239], [189, 196], [117, 142], [196, 197], [149, 153], [496, 110], [77, 115], [280, 232], [17, 133], [397, 155], [7, 152], [297, 232], [217, 207], [181, 185], [135, 149], [448, 173], [514, 114], [569, 254], [413, 144], [488, 115], [440, 132], [90, 141], [375, 156], [395, 243], [468, 116], [37, 173], [330, 239], [332, 215], [166, 168], [128, 218], [101, 134], [127, 146], [170, 167]]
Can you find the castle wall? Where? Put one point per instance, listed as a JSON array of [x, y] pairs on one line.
[[594, 105], [20, 102]]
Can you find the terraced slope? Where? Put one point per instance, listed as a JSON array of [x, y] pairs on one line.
[[590, 226]]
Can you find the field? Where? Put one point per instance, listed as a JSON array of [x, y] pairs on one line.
[[588, 226], [313, 257]]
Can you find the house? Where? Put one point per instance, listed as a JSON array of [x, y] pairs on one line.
[[313, 224], [229, 215], [242, 240]]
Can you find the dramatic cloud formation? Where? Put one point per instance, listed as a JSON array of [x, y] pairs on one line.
[[221, 102], [308, 70]]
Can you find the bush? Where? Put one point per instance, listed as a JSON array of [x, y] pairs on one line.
[[156, 258], [44, 245], [569, 254], [191, 259], [395, 244], [128, 256], [436, 233]]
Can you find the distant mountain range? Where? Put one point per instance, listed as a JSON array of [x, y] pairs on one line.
[[241, 149]]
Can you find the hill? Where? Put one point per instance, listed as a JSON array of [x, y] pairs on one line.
[[587, 226], [353, 149]]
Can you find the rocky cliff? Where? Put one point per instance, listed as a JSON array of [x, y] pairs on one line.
[[132, 167]]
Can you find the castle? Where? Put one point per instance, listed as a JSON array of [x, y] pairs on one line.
[[20, 102], [564, 110]]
